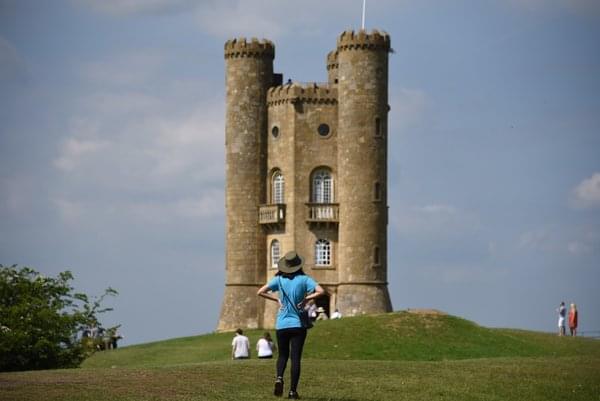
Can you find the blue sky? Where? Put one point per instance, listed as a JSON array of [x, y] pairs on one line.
[[112, 150]]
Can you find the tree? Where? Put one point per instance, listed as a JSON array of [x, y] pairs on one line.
[[40, 318]]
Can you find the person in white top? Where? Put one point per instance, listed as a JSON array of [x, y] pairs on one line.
[[322, 315], [265, 346], [240, 346], [336, 315]]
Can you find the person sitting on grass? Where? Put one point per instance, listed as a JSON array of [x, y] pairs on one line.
[[240, 346]]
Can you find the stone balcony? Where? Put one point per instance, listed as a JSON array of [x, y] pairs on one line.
[[323, 213], [271, 214]]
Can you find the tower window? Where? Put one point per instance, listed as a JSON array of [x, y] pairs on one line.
[[376, 256], [378, 131], [322, 253], [322, 187], [323, 130], [377, 191], [278, 188], [275, 253], [275, 131]]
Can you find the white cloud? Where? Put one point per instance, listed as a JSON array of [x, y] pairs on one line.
[[433, 220], [573, 240], [132, 7], [585, 241], [18, 193], [536, 239], [271, 19], [587, 193], [585, 7], [194, 145], [579, 248], [226, 19], [76, 150], [129, 69], [408, 107], [437, 209], [208, 204], [145, 151], [130, 155], [12, 66], [462, 274], [121, 103], [69, 211]]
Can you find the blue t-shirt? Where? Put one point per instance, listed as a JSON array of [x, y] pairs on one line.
[[295, 288]]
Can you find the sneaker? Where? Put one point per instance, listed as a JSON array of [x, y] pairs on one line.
[[278, 391], [293, 395]]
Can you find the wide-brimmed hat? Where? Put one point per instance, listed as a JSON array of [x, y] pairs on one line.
[[291, 262], [320, 309]]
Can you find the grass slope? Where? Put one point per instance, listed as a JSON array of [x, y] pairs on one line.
[[394, 336], [398, 356]]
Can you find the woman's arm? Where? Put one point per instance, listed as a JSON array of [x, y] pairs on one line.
[[318, 292], [265, 292]]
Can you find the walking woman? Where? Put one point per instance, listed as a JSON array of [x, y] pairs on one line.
[[295, 288]]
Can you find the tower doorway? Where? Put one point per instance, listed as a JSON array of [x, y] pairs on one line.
[[323, 302]]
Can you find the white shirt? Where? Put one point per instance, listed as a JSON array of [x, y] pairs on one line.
[[241, 346], [336, 315], [264, 348]]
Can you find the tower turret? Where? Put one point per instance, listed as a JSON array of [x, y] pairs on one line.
[[249, 74], [362, 74], [332, 68]]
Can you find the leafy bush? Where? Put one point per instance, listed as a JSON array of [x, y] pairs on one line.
[[40, 318]]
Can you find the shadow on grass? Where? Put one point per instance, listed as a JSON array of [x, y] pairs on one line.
[[330, 399]]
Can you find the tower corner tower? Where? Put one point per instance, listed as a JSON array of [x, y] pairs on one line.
[[362, 161], [249, 74]]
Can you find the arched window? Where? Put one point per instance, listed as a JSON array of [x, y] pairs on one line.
[[322, 253], [278, 188], [322, 187], [275, 253]]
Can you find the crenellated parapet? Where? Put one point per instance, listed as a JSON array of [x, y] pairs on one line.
[[376, 40], [240, 47], [332, 60], [305, 93]]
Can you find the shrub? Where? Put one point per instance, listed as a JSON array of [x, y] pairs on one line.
[[40, 319]]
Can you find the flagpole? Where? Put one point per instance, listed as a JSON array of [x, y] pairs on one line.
[[363, 14]]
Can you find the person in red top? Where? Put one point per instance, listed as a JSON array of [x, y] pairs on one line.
[[573, 319]]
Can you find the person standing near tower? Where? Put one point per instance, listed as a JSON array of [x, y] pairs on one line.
[[573, 318], [562, 311], [295, 288]]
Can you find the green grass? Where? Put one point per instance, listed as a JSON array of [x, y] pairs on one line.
[[395, 336], [399, 356]]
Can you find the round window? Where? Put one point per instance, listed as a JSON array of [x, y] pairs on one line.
[[275, 131], [323, 130]]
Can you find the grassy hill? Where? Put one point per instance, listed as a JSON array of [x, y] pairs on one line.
[[407, 336], [397, 356]]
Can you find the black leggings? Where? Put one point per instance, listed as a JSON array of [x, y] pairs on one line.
[[294, 336]]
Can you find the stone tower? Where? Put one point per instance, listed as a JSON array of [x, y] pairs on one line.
[[307, 170]]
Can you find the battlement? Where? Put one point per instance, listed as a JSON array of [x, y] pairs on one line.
[[350, 40], [240, 47], [301, 93], [332, 60]]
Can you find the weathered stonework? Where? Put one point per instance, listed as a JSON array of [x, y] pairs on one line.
[[331, 205]]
